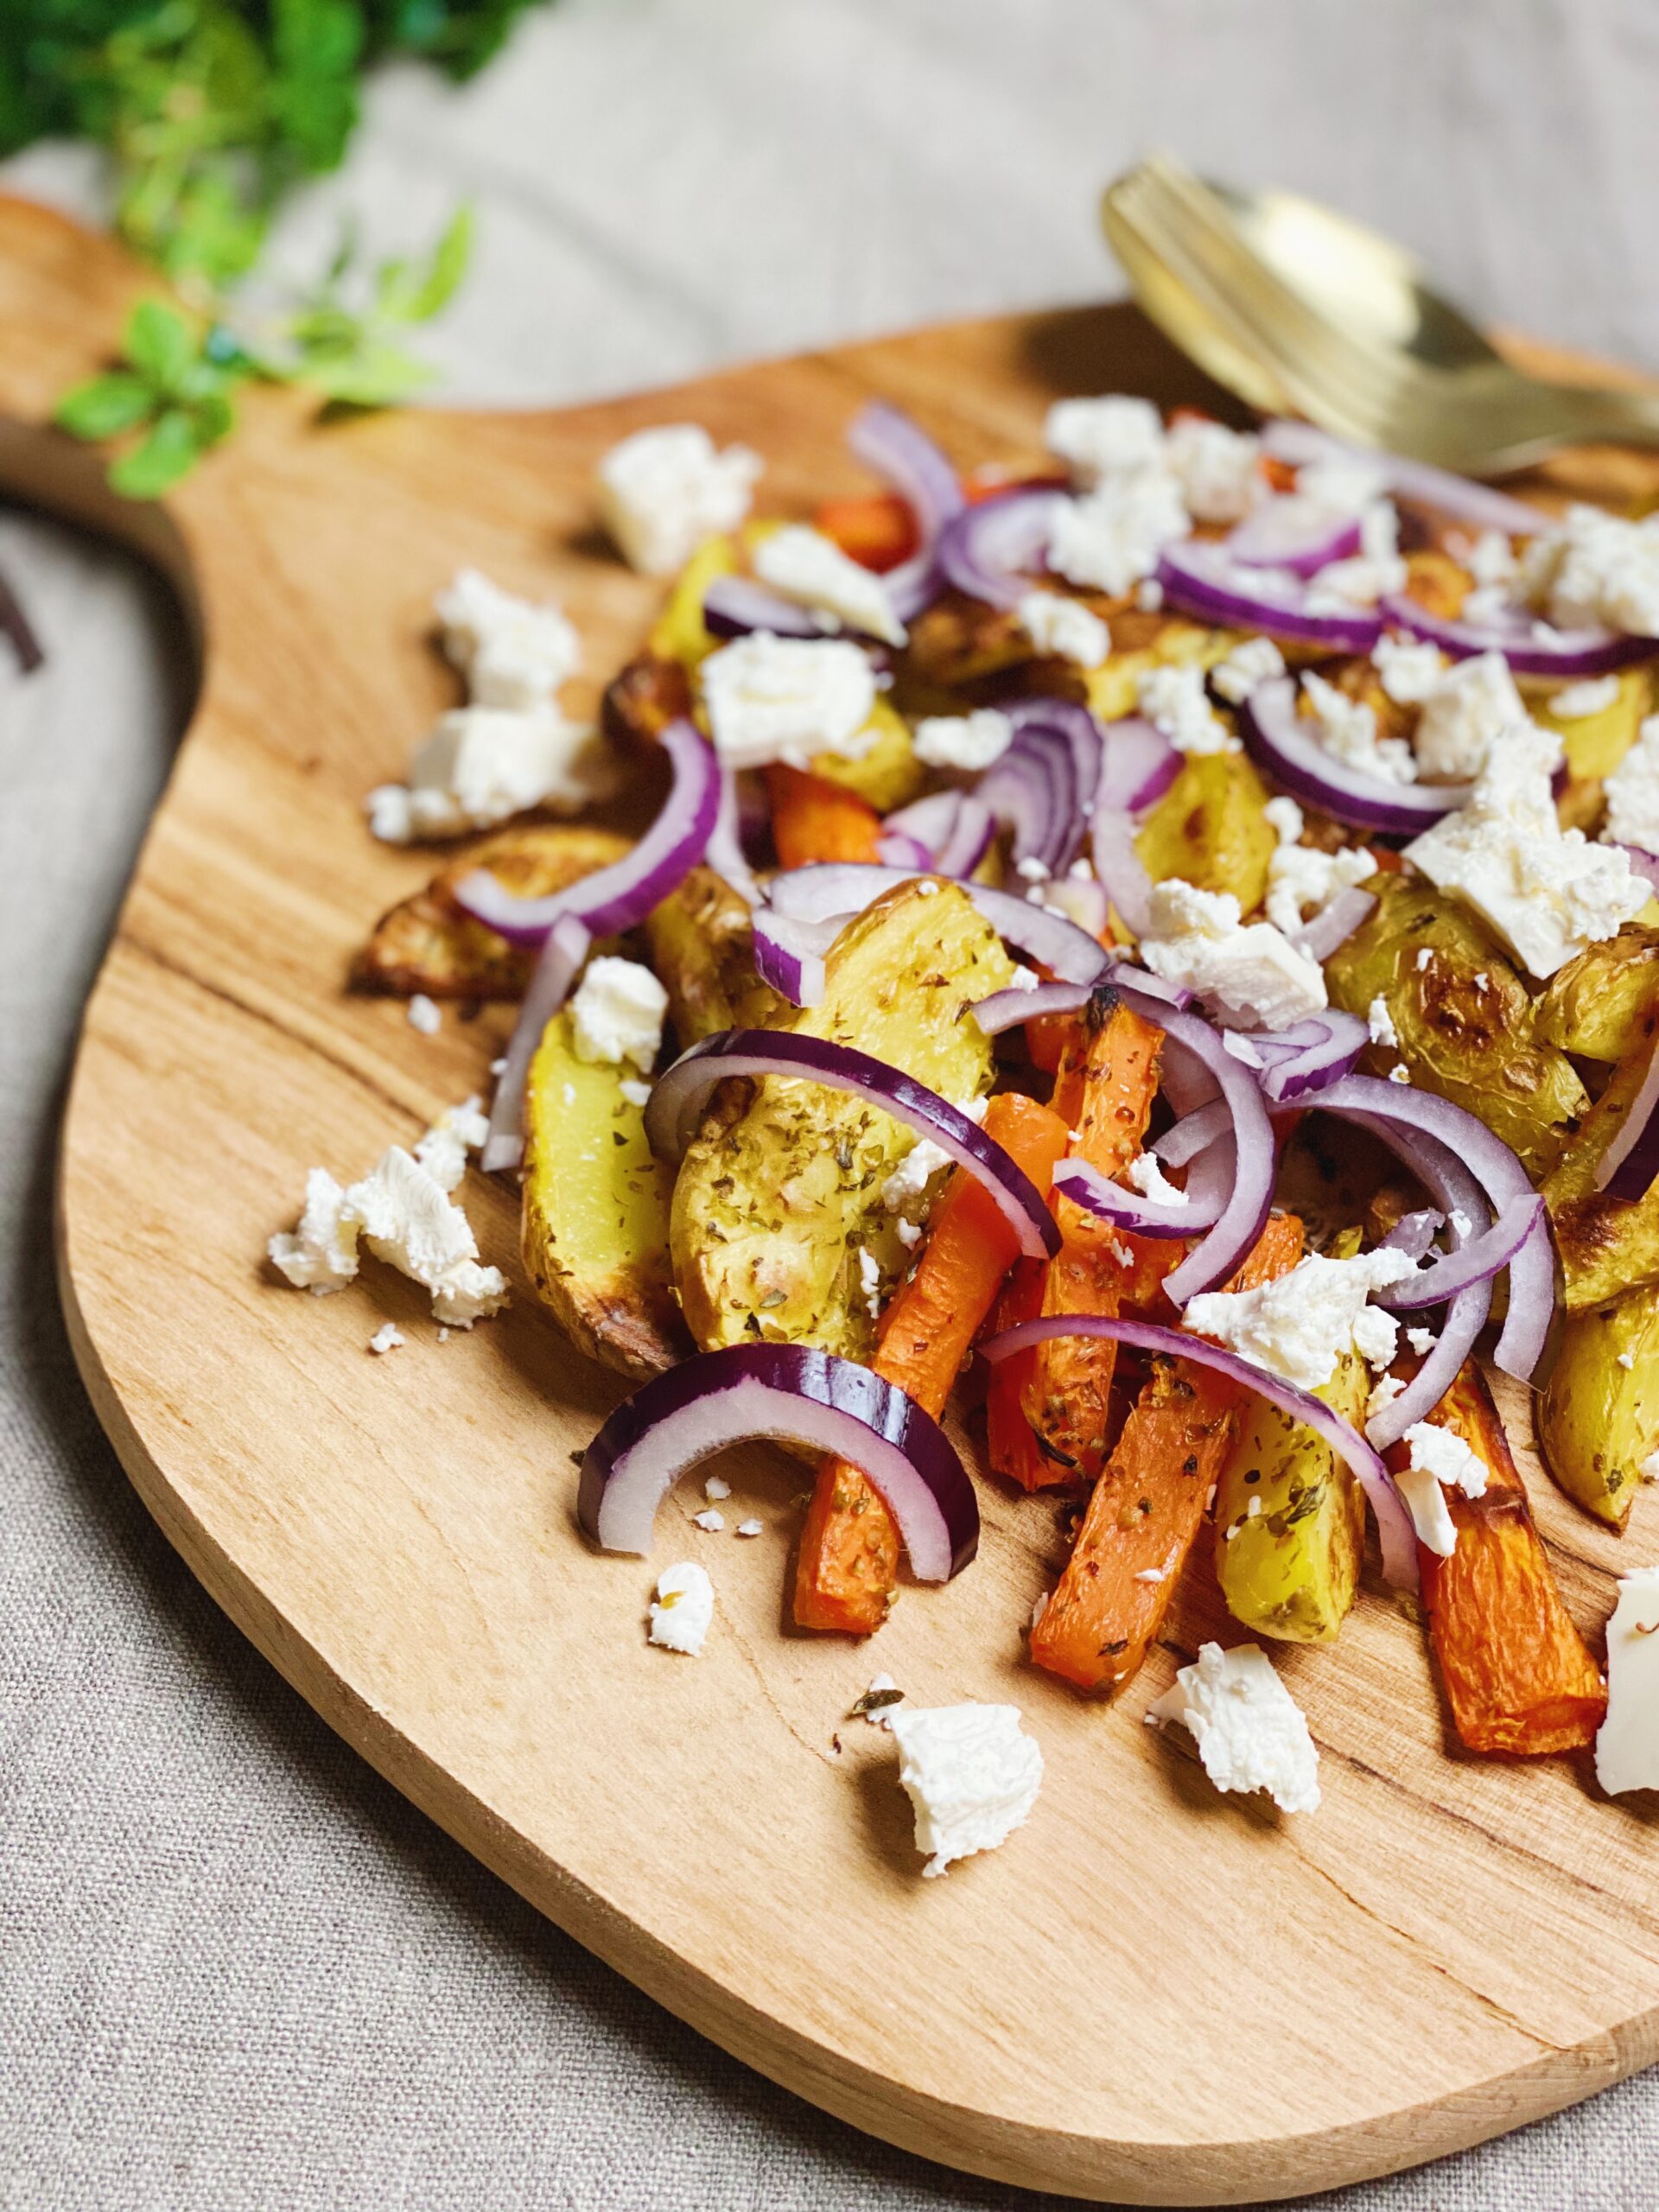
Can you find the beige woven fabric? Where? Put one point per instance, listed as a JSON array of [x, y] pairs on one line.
[[236, 1971]]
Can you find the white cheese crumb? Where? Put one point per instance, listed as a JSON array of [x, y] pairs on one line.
[[1302, 881], [1384, 1391], [1253, 661], [1039, 1606], [1461, 1225], [1300, 1324], [1626, 1359], [513, 652], [1627, 1744], [1155, 1574], [1425, 954], [971, 1772], [425, 1014], [1249, 1731], [1347, 730], [1033, 870], [968, 742], [458, 1130], [1380, 1022], [1120, 1252], [1575, 703], [1286, 820], [709, 1520], [1438, 1456], [1112, 435], [806, 566], [1649, 1470], [1149, 596], [1112, 538], [751, 1528], [664, 491], [1421, 1341], [1408, 671], [1253, 976], [617, 1014], [1596, 568], [684, 1609], [870, 1281], [1145, 1174], [909, 1233], [882, 1715], [1467, 710], [1398, 1073], [386, 1338], [908, 1182], [788, 699], [1174, 700], [1218, 469], [1632, 793], [482, 765], [716, 1487], [1490, 560], [1064, 627], [635, 1089], [320, 1255], [1024, 978]]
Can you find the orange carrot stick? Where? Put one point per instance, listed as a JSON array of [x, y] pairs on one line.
[[1149, 1504], [849, 1562], [1010, 1440], [878, 532], [813, 819]]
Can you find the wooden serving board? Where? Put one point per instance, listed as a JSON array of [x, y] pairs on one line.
[[1151, 1993]]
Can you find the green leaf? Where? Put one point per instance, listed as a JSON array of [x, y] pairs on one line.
[[158, 344], [214, 418], [377, 376], [445, 269], [170, 452], [105, 406]]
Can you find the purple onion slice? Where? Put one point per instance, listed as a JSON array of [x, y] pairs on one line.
[[1284, 742], [1332, 926], [1395, 1530], [724, 851], [1033, 791], [1120, 870], [1193, 1134], [734, 606], [847, 887], [1084, 1184], [991, 551], [1007, 1009], [1476, 1261], [1531, 647], [1295, 532], [1140, 764], [886, 440], [798, 1395], [1302, 1060], [558, 965], [1414, 1233], [1201, 578], [1300, 444], [1072, 720], [678, 1098], [790, 954]]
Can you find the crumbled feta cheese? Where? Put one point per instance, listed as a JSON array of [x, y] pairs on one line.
[[1596, 568], [1174, 700], [1064, 627], [1649, 1469], [1467, 710], [787, 699], [617, 1014], [320, 1253], [1627, 1744], [1346, 484], [1112, 435], [386, 1338], [1251, 976], [1425, 954], [1384, 1391], [1347, 730], [1380, 1022], [1253, 661], [709, 1520], [1398, 1073], [635, 1089], [1111, 540], [1218, 469], [1149, 596], [971, 1773], [1302, 881], [1145, 1174], [512, 651], [907, 1185], [716, 1487], [1462, 1227], [409, 1222], [1545, 890], [1632, 793], [1024, 978], [1408, 671], [751, 1528], [1033, 870], [1574, 702], [1341, 585], [908, 1233], [806, 566], [1438, 1456], [1626, 1359], [457, 1131], [1491, 559], [1300, 1325], [870, 1281], [968, 742], [1286, 820], [482, 765], [425, 1014], [683, 1608], [1249, 1731], [664, 491], [1421, 1341]]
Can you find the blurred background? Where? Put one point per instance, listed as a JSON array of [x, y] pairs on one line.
[[660, 185]]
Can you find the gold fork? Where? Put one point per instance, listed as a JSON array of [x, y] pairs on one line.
[[1297, 310]]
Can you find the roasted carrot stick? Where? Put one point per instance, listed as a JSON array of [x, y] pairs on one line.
[[813, 819], [1517, 1672], [1011, 1443], [878, 532], [1149, 1503], [849, 1548], [1103, 1091]]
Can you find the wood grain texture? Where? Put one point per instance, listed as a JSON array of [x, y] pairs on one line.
[[1153, 1993]]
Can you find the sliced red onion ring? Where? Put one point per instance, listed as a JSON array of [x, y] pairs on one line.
[[1395, 1529], [1476, 1261], [1284, 741], [734, 606], [1295, 532], [847, 887], [1072, 720], [1644, 864], [1300, 445], [1140, 763], [798, 1395], [1149, 986], [1632, 1161], [1120, 870], [1334, 925], [895, 849], [1033, 791], [1082, 900], [970, 839], [886, 439], [1531, 647], [618, 897], [677, 1100], [1223, 1248], [1084, 1184], [724, 851], [991, 551], [951, 833], [1201, 578], [558, 966], [790, 954], [1301, 1060], [1414, 1233], [1005, 1010], [1193, 1134]]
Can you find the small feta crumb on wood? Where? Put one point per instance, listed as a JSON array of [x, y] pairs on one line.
[[877, 1701], [386, 1338], [716, 1487], [665, 490], [709, 1520], [751, 1528], [788, 699], [1627, 1744], [514, 652], [683, 1608], [1249, 1731], [425, 1014], [971, 1774]]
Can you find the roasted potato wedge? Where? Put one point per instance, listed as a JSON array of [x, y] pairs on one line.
[[1594, 744], [887, 773], [679, 633], [1290, 1520], [1597, 1415], [781, 1194], [595, 1211], [962, 640], [1210, 829], [639, 703], [1141, 642], [427, 943], [701, 946], [1463, 1016], [1607, 1245], [1592, 1006]]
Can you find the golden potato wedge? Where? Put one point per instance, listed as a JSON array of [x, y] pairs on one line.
[[1290, 1520], [1141, 642], [779, 1197], [596, 1211], [1607, 1245], [702, 949], [679, 633], [888, 775], [1594, 744], [1463, 1016], [961, 640], [1210, 829], [1592, 1006], [639, 703], [1597, 1415], [427, 943]]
